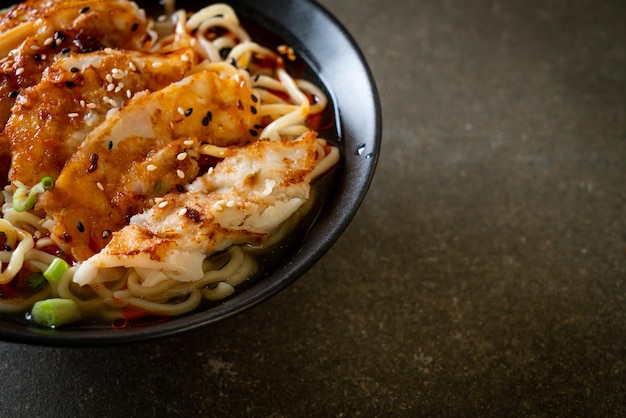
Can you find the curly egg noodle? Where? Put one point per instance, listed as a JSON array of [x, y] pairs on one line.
[[204, 201]]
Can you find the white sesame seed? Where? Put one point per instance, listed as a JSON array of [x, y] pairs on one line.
[[132, 66], [182, 212], [180, 174], [19, 71], [82, 103], [117, 89], [184, 58], [158, 199], [110, 101], [181, 156], [171, 124], [157, 64], [48, 41], [91, 105], [72, 115], [111, 87], [35, 47], [129, 94], [230, 204], [181, 111], [44, 56], [163, 204], [100, 186], [188, 142], [151, 167], [210, 170], [109, 78], [108, 50]]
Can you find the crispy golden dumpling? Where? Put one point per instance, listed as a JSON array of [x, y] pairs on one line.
[[245, 198], [100, 188], [33, 34], [51, 119]]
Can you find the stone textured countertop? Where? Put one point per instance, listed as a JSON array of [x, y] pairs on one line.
[[484, 275]]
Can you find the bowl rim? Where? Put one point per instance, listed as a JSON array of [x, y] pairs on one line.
[[357, 108]]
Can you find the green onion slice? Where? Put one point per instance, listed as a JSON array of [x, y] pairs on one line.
[[24, 199], [56, 269], [47, 183], [55, 312], [36, 280]]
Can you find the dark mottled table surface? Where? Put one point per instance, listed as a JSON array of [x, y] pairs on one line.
[[485, 274]]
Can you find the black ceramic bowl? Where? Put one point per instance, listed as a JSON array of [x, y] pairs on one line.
[[333, 60]]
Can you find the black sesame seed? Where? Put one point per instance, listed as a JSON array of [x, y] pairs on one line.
[[254, 98], [110, 145], [224, 52], [253, 132], [256, 77], [37, 57], [134, 27], [84, 10], [80, 226], [258, 126], [253, 110], [93, 159], [65, 50], [14, 94], [60, 36], [53, 45], [189, 111], [180, 188], [67, 237], [233, 62], [239, 105], [70, 84], [7, 248], [207, 119], [106, 234], [74, 69]]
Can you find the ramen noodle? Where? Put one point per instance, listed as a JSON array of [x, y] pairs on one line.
[[145, 158]]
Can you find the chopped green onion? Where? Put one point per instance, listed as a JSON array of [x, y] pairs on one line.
[[55, 270], [24, 199], [47, 183], [36, 280], [55, 312]]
